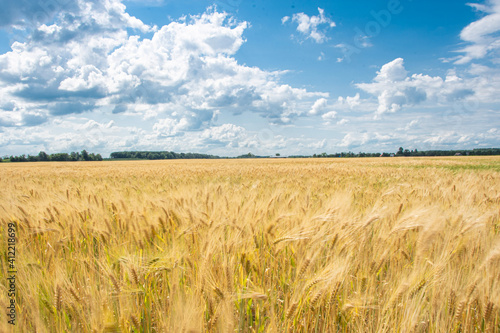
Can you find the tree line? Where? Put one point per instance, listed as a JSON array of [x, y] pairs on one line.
[[168, 155], [473, 152], [59, 157], [406, 152], [163, 155], [158, 155]]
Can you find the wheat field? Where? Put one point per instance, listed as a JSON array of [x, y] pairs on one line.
[[264, 245]]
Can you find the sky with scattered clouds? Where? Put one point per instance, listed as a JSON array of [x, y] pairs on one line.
[[228, 77]]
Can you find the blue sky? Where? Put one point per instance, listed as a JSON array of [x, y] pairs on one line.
[[229, 77]]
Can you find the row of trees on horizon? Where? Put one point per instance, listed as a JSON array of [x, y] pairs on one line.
[[158, 155], [59, 157], [167, 155], [406, 152]]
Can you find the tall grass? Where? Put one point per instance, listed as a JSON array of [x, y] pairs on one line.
[[365, 245]]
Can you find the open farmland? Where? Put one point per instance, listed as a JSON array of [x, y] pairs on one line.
[[275, 245]]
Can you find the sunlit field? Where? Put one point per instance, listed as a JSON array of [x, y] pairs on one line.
[[264, 245]]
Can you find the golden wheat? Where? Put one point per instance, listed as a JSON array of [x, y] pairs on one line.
[[326, 245]]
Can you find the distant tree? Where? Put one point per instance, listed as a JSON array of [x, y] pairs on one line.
[[60, 157], [85, 155], [249, 155], [278, 155], [400, 151], [42, 156]]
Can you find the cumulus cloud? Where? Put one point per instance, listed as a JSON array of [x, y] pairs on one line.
[[89, 75], [317, 145], [171, 127], [309, 26], [380, 140], [22, 13], [76, 18], [224, 135], [89, 60], [394, 89], [482, 35], [409, 125], [92, 124], [350, 101], [323, 106], [319, 106], [351, 140], [329, 116], [392, 71]]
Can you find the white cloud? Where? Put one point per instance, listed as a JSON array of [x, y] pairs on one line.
[[394, 89], [354, 139], [392, 71], [86, 77], [77, 87], [171, 127], [92, 124], [95, 77], [226, 134], [482, 35], [350, 102], [409, 125], [308, 26], [329, 116], [319, 106], [182, 77], [317, 145], [452, 138]]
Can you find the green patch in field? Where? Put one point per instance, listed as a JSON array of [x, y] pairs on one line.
[[458, 167]]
